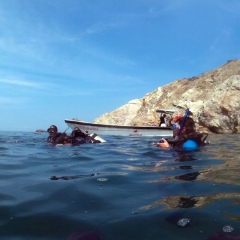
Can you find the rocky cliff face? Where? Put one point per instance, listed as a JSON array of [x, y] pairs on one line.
[[213, 99]]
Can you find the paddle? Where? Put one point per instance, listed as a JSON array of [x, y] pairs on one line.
[[182, 124]]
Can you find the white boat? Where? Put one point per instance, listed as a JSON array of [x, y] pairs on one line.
[[120, 130]]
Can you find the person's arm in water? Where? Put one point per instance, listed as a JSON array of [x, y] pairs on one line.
[[163, 143]]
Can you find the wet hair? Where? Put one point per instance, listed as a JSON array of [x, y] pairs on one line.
[[52, 127], [189, 125]]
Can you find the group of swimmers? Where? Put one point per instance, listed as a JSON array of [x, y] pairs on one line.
[[184, 136], [77, 137]]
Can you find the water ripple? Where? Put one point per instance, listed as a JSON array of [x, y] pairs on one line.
[[148, 188]]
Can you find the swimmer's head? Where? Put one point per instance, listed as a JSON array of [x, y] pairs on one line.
[[52, 129], [189, 127]]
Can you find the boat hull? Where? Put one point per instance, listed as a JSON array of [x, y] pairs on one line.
[[102, 129]]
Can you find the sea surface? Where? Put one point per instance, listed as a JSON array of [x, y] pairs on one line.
[[123, 189]]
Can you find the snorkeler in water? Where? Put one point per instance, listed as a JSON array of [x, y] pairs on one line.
[[185, 136]]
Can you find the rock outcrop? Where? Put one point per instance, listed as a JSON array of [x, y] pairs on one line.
[[213, 99]]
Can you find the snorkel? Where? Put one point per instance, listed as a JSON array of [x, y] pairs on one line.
[[182, 124]]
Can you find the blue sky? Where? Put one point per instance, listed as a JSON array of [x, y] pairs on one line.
[[79, 59]]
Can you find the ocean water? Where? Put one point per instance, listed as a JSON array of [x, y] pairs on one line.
[[123, 189]]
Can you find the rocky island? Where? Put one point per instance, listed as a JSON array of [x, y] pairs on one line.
[[213, 99]]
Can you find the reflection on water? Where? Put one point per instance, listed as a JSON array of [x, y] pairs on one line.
[[184, 157], [185, 167], [188, 176], [148, 189], [187, 202], [72, 177], [173, 202], [217, 167]]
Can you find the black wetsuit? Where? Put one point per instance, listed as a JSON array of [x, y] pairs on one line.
[[198, 138], [59, 138], [78, 137]]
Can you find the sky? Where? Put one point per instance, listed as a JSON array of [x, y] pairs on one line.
[[64, 59]]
